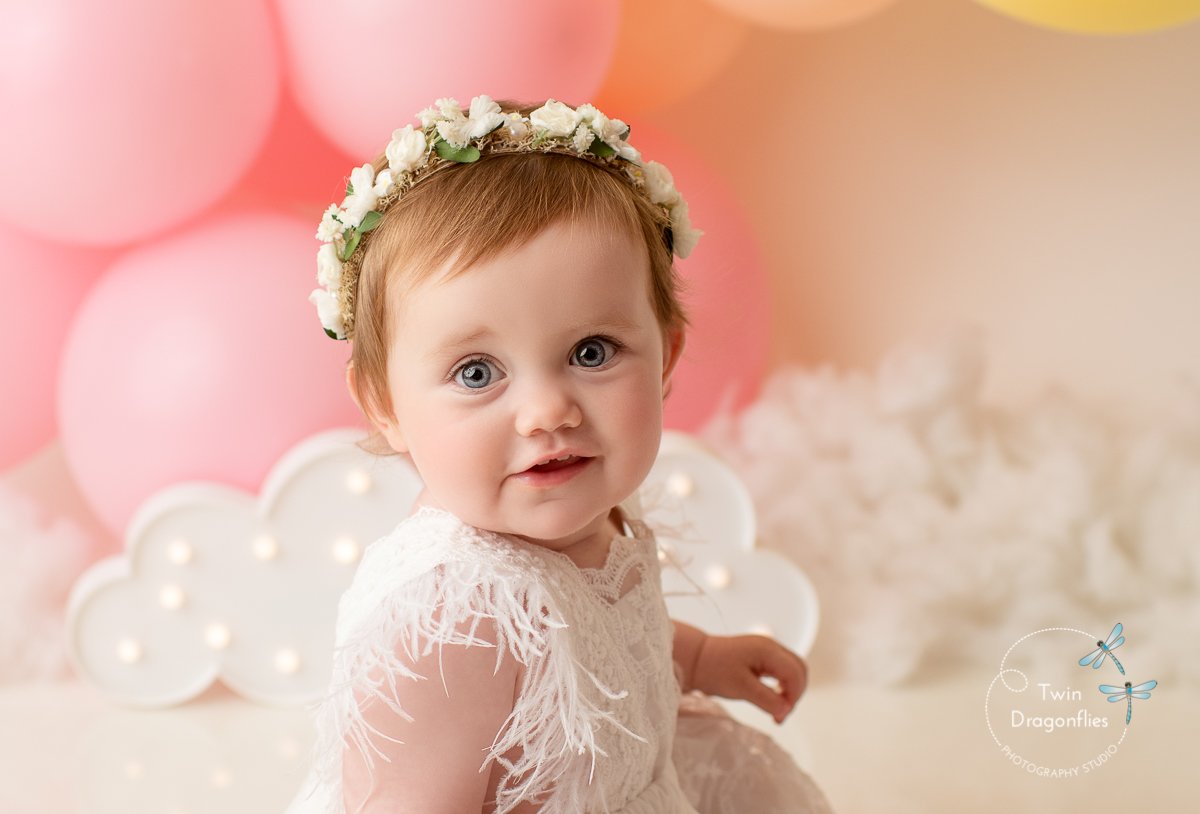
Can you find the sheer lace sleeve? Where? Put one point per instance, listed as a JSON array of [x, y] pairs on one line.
[[433, 583], [432, 735]]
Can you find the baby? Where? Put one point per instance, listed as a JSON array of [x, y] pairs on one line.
[[505, 275]]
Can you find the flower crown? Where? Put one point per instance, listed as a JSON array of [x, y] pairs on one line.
[[446, 136]]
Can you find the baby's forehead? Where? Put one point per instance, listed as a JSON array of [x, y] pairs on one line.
[[553, 287], [568, 244]]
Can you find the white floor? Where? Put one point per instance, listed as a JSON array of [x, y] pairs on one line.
[[66, 750]]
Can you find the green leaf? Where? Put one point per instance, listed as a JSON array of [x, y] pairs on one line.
[[369, 222], [331, 334], [539, 138], [601, 149], [349, 188], [463, 155], [351, 243]]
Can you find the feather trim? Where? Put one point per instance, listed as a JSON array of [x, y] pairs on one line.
[[432, 582]]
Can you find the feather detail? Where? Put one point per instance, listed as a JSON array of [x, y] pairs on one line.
[[431, 583]]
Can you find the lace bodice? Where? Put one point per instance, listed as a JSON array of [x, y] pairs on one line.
[[623, 638], [595, 716]]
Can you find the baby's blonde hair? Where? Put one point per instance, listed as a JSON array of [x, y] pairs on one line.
[[466, 214]]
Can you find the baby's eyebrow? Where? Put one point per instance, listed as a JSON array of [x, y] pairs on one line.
[[457, 342], [614, 324]]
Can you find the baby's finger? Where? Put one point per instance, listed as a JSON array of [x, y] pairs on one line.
[[794, 686], [766, 699], [788, 668]]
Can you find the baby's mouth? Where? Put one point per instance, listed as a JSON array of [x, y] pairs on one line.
[[556, 463]]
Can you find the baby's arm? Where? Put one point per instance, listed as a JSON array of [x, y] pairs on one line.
[[685, 650], [436, 770], [734, 666]]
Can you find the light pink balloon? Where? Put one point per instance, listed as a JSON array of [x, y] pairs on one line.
[[726, 296], [198, 356], [126, 117], [362, 69], [802, 14], [45, 283]]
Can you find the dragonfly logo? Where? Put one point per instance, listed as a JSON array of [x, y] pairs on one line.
[[1051, 718]]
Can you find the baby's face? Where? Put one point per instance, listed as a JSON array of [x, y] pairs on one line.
[[549, 351]]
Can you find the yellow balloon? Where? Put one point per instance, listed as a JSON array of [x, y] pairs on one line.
[[1099, 16]]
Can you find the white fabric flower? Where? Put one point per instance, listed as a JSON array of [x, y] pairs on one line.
[[329, 267], [583, 138], [406, 150], [555, 118], [627, 152], [428, 116], [330, 229], [617, 129], [591, 115], [455, 131], [363, 200], [328, 311], [383, 184], [449, 107], [609, 130], [660, 186], [517, 128], [683, 236], [485, 116]]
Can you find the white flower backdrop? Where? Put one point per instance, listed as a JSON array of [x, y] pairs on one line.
[[42, 556], [938, 530]]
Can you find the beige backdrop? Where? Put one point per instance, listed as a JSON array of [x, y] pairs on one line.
[[939, 164]]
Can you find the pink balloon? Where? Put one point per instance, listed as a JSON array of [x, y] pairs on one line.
[[46, 283], [129, 116], [366, 69], [726, 296], [298, 170], [198, 356]]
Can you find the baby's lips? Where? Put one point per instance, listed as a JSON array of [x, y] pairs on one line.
[[572, 453]]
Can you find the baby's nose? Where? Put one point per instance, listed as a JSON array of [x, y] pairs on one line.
[[547, 409]]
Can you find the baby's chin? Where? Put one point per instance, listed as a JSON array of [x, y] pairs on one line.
[[553, 525]]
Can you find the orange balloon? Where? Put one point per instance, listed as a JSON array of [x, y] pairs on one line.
[[803, 14], [667, 50]]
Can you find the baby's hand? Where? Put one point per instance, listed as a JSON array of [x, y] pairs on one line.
[[734, 666]]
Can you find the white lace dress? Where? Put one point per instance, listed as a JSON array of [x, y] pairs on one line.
[[598, 723]]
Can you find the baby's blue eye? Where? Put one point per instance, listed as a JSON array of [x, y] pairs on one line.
[[593, 352], [475, 374]]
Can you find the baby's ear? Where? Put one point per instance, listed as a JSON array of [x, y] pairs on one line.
[[352, 386], [387, 426], [673, 343]]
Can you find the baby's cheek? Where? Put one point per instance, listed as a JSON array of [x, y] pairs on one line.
[[450, 451], [639, 412]]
